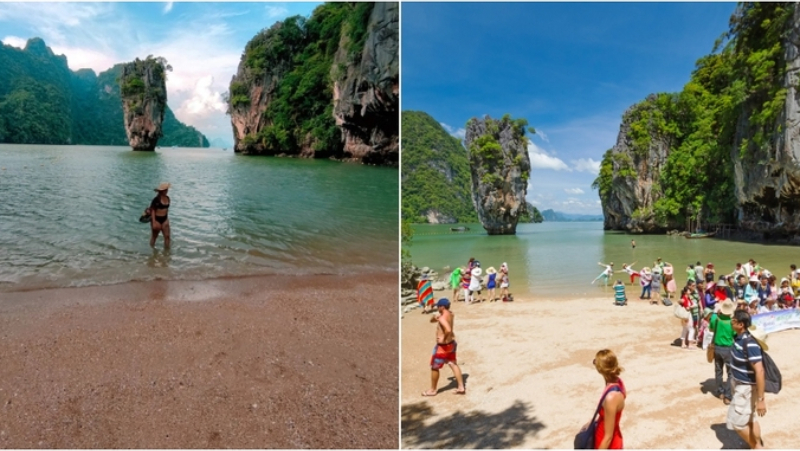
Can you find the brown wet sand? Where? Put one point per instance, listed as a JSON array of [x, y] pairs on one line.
[[258, 362], [531, 384]]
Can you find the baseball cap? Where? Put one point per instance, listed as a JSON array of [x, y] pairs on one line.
[[443, 302]]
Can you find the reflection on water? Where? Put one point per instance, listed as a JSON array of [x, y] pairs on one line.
[[74, 211], [559, 259]]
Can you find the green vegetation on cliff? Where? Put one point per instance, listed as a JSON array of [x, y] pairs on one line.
[[435, 171], [531, 214], [487, 151], [43, 102], [742, 78], [297, 54]]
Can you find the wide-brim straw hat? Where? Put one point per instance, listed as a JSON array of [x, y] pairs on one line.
[[646, 270], [754, 279], [476, 272], [760, 336], [727, 307], [722, 283], [491, 270], [162, 187]]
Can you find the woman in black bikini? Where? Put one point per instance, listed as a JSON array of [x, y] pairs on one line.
[[159, 221]]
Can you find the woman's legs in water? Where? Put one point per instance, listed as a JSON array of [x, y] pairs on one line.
[[155, 229], [165, 228]]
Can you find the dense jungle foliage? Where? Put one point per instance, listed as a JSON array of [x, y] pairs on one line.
[[43, 102], [298, 55], [435, 171], [742, 78]]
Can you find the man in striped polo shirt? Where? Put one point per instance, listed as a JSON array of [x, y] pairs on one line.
[[747, 384]]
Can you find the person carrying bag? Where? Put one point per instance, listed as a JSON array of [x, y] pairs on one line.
[[596, 434]]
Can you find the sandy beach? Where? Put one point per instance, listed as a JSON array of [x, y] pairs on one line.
[[531, 384], [258, 362]]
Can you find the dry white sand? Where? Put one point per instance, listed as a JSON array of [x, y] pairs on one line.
[[531, 384]]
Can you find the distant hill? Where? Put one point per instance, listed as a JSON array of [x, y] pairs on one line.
[[435, 173], [43, 102], [555, 216]]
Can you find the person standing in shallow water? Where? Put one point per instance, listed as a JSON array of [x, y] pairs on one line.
[[444, 352], [159, 218], [608, 435]]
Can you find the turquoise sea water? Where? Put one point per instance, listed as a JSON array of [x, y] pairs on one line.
[[559, 259], [68, 216]]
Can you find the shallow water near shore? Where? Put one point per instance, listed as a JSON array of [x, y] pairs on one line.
[[69, 216], [559, 259]]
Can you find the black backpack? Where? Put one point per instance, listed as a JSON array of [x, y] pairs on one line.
[[772, 375]]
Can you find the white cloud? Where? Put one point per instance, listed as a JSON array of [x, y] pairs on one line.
[[168, 7], [573, 190], [541, 134], [15, 41], [203, 100], [541, 160], [587, 165], [458, 133], [277, 12]]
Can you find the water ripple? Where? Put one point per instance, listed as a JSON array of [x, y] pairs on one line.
[[69, 216]]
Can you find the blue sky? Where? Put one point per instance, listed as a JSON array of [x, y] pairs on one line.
[[202, 41], [571, 69]]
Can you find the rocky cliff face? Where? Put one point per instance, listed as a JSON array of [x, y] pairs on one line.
[[636, 172], [767, 179], [366, 96], [144, 97], [500, 168], [338, 101]]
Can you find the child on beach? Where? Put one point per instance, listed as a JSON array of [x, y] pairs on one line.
[[619, 293]]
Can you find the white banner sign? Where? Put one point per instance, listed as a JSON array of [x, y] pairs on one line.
[[778, 320]]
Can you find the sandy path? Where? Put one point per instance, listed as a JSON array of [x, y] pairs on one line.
[[242, 363], [531, 384]]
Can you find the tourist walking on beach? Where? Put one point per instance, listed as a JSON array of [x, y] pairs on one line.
[[709, 274], [491, 283], [475, 285], [159, 218], [655, 286], [645, 278], [608, 435], [606, 274], [444, 352], [504, 283], [698, 272], [747, 384], [455, 282], [720, 325], [466, 277], [669, 281], [687, 321]]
